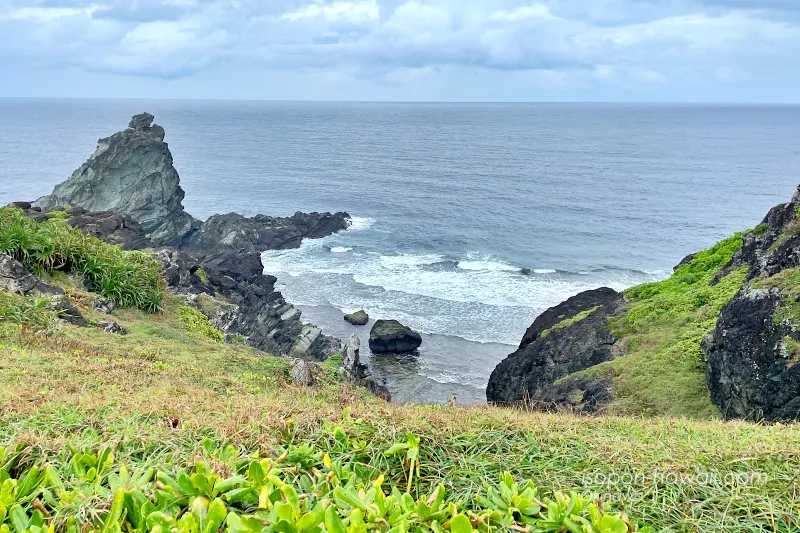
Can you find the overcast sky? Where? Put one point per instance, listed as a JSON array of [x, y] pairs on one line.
[[455, 50]]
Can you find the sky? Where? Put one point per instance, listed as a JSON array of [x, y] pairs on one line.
[[403, 50]]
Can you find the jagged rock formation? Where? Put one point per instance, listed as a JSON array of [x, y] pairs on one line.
[[751, 355], [128, 193], [237, 233], [565, 339], [353, 371], [130, 173], [390, 336]]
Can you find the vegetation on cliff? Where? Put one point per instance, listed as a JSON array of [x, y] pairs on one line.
[[660, 330], [129, 278]]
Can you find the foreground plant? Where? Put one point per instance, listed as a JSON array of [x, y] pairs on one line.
[[303, 490]]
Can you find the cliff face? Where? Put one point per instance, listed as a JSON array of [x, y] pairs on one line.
[[753, 354], [567, 338], [722, 334]]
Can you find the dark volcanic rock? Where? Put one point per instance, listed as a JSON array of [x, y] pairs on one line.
[[241, 234], [253, 309], [753, 371], [359, 318], [130, 173], [576, 394], [547, 354], [390, 336]]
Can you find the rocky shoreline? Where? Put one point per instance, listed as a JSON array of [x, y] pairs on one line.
[[128, 193]]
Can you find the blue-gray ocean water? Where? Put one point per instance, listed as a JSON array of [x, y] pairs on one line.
[[450, 202]]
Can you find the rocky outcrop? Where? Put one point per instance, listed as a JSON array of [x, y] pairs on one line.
[[390, 336], [565, 339], [359, 318], [752, 359], [242, 302], [128, 193], [233, 232], [353, 371], [753, 354], [14, 277], [130, 173]]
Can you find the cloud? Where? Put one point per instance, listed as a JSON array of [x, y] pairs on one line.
[[398, 42]]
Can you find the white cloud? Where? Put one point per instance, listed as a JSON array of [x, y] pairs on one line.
[[400, 42], [361, 10]]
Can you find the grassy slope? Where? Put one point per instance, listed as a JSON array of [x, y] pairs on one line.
[[661, 370], [158, 392]]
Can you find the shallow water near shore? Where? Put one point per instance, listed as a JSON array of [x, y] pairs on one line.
[[469, 219]]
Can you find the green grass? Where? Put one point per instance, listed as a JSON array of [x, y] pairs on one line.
[[129, 278], [120, 427], [570, 321]]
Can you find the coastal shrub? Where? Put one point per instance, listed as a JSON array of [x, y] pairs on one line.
[[305, 489], [129, 278], [197, 322]]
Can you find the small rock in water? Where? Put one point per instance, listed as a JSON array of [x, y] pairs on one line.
[[359, 318], [301, 373], [390, 336], [525, 271]]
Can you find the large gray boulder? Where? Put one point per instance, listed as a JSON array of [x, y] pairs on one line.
[[130, 173], [390, 336], [359, 318], [565, 339]]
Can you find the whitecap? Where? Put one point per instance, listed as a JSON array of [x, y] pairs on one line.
[[486, 265], [360, 223], [341, 249], [544, 271]]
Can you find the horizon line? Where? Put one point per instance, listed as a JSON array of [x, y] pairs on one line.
[[465, 102]]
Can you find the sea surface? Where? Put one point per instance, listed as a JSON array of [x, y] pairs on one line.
[[450, 202]]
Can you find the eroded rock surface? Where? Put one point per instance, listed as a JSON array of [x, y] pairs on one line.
[[558, 344]]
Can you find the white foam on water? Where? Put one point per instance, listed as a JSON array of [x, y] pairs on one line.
[[487, 265], [360, 223], [341, 249], [489, 301]]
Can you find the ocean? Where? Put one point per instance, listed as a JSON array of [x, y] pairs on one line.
[[469, 219]]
